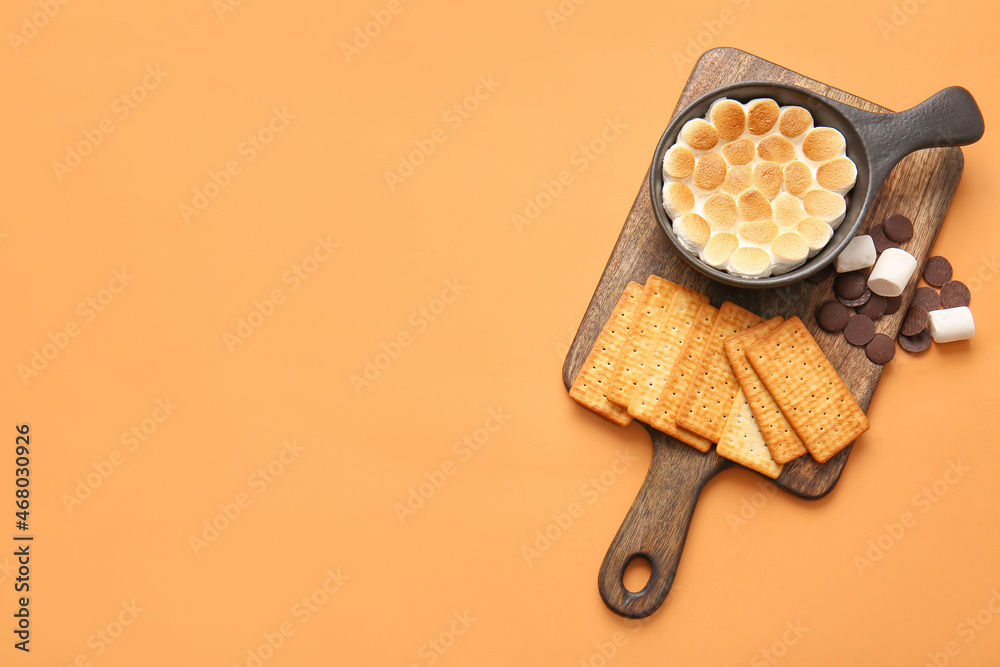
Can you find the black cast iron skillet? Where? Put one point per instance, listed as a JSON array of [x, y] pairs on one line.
[[875, 142]]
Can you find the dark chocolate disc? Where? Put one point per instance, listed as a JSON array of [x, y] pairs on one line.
[[954, 293], [832, 316], [898, 228], [880, 349], [892, 304], [882, 242], [937, 271], [914, 322], [860, 301], [859, 330], [918, 343], [874, 307], [927, 298], [850, 285]]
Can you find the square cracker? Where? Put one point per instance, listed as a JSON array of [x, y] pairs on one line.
[[782, 441], [742, 441], [807, 388], [665, 416], [666, 347], [642, 332], [591, 383], [713, 387]]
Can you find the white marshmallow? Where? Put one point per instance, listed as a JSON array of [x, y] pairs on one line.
[[952, 324], [892, 272], [859, 254]]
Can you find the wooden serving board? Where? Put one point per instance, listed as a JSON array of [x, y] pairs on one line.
[[920, 187]]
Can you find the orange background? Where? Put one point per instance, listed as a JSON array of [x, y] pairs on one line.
[[500, 305]]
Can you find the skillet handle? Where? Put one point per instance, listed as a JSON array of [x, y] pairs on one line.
[[950, 117], [656, 526]]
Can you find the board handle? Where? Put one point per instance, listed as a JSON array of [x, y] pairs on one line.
[[656, 526]]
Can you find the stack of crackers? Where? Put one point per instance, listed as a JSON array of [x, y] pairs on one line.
[[763, 391]]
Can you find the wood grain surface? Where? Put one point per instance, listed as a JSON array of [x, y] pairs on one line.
[[921, 187]]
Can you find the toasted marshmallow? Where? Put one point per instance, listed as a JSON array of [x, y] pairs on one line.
[[740, 151], [790, 250], [721, 211], [693, 231], [728, 118], [776, 148], [798, 177], [759, 176], [767, 178], [816, 233], [788, 210], [677, 199], [678, 162], [760, 233], [823, 143], [710, 171], [794, 121], [825, 205], [859, 254], [892, 272], [750, 262], [700, 134], [719, 249], [952, 324], [762, 114], [737, 180], [838, 174], [754, 206]]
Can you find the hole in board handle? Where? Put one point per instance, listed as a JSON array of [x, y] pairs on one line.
[[637, 574]]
